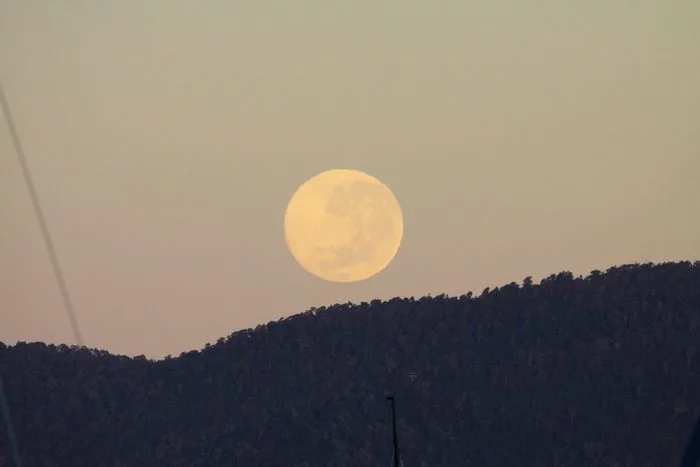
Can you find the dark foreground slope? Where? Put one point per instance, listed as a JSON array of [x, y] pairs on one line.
[[589, 371]]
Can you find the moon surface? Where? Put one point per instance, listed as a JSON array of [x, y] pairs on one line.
[[343, 225]]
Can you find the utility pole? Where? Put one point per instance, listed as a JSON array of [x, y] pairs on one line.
[[397, 461]]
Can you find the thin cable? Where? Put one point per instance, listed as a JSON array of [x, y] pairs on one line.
[[8, 425], [4, 405], [58, 272], [67, 302]]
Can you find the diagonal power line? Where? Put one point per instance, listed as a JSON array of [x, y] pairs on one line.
[[58, 272], [5, 409]]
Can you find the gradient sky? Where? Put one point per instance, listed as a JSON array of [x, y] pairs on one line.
[[166, 137]]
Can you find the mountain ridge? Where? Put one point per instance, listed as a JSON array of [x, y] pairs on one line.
[[557, 373]]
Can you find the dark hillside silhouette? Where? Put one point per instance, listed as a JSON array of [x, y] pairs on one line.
[[594, 371]]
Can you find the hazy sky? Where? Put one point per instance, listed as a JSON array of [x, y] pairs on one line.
[[166, 137]]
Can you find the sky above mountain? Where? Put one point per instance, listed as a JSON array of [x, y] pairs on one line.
[[166, 138]]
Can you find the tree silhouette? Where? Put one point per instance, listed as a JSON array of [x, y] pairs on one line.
[[573, 371]]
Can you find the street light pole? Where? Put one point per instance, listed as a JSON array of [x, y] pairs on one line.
[[397, 461]]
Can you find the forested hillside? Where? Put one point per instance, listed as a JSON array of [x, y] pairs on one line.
[[602, 370]]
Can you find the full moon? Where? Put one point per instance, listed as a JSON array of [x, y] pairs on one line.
[[343, 226]]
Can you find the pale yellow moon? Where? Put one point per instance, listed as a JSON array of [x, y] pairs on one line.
[[343, 225]]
